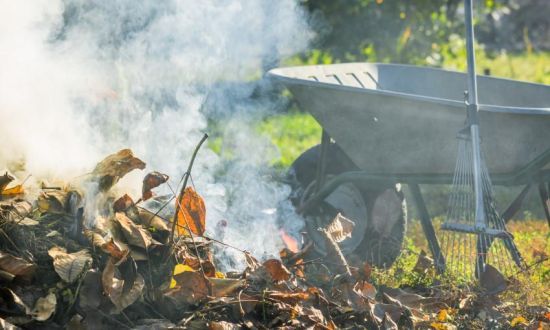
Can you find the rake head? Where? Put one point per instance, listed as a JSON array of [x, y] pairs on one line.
[[470, 243]]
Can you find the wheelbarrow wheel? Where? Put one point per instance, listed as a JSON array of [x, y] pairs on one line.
[[379, 212]]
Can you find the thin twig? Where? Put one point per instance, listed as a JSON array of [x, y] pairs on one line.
[[182, 191]]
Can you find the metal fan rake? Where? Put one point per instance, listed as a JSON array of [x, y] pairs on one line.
[[475, 234]]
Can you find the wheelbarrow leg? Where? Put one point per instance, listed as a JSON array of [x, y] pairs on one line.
[[428, 228], [544, 192], [322, 161]]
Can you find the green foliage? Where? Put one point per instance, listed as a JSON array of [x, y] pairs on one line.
[[293, 133]]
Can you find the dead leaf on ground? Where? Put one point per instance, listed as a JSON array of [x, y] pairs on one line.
[[54, 201], [149, 219], [123, 203], [191, 287], [11, 304], [222, 287], [192, 213], [223, 325], [134, 234], [151, 181], [289, 297], [492, 280], [276, 270], [16, 266], [69, 266], [15, 210], [44, 307], [5, 180], [366, 289], [423, 263], [340, 228], [90, 293], [108, 171], [7, 325], [122, 299]]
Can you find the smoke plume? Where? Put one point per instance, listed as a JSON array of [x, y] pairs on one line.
[[81, 79]]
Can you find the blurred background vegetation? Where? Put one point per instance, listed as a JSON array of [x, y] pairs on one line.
[[513, 41]]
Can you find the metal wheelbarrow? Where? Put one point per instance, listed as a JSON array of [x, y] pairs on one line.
[[385, 125]]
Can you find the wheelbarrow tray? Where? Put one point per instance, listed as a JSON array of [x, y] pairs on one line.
[[401, 119]]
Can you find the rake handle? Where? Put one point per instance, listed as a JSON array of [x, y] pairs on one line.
[[472, 109]]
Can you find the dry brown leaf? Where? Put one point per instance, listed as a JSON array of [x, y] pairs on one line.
[[223, 325], [365, 289], [408, 299], [276, 270], [123, 203], [5, 325], [16, 266], [382, 311], [340, 228], [192, 213], [149, 219], [5, 180], [492, 280], [69, 266], [134, 234], [15, 210], [222, 287], [151, 181], [44, 307], [289, 297], [115, 166], [114, 250], [121, 298], [54, 201], [11, 303], [191, 287], [107, 276], [423, 263]]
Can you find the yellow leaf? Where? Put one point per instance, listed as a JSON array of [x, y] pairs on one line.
[[16, 190], [219, 275], [439, 326], [442, 315], [178, 269], [518, 320]]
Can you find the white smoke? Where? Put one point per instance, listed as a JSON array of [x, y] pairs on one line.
[[80, 79]]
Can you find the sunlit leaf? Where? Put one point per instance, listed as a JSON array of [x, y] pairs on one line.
[[192, 213]]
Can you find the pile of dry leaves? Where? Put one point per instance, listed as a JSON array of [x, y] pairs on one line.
[[134, 269]]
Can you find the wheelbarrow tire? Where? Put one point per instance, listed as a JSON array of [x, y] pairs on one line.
[[382, 241]]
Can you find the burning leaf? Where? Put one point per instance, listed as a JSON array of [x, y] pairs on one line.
[[52, 202], [45, 307], [15, 190], [340, 228], [134, 234], [276, 270], [115, 166], [123, 203], [152, 180], [16, 266], [192, 213], [5, 180], [492, 280], [289, 241], [69, 266]]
